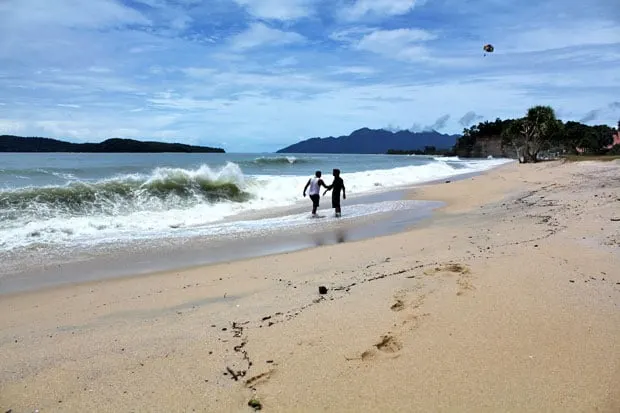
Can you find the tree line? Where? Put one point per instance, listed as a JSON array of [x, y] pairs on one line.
[[538, 131], [428, 150]]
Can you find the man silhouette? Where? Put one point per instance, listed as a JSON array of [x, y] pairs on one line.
[[337, 186]]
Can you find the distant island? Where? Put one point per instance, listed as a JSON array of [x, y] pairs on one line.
[[10, 143], [374, 141]]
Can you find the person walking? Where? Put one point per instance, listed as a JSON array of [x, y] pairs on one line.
[[315, 184], [337, 186]]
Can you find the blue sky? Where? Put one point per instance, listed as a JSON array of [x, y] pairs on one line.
[[256, 75]]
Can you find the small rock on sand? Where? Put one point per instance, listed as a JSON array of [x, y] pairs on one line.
[[255, 404], [322, 289]]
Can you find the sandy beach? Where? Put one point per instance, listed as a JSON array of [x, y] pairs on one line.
[[505, 300]]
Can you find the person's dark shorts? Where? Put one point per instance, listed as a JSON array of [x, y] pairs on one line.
[[336, 201], [315, 200]]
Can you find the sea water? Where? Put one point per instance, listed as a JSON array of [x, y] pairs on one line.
[[51, 200]]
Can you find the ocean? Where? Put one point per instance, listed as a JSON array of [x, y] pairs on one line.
[[64, 202], [66, 199]]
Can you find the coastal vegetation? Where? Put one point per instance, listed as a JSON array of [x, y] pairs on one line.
[[538, 132], [428, 150], [10, 143], [536, 136]]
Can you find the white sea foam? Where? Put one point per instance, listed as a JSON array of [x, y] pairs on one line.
[[272, 191]]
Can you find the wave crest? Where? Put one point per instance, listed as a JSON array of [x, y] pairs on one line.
[[280, 160], [164, 188]]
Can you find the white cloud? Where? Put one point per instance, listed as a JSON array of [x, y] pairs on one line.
[[468, 118], [102, 125], [169, 14], [258, 34], [92, 14], [278, 9], [297, 81], [286, 62], [97, 69], [198, 72], [10, 127], [180, 22], [143, 49], [187, 103], [400, 43], [63, 128], [353, 70], [585, 33], [351, 34], [379, 8]]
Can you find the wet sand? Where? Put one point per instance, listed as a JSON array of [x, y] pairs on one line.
[[28, 273], [507, 299]]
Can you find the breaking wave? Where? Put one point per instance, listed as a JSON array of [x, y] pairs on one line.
[[164, 188]]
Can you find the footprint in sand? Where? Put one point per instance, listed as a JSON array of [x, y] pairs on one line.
[[464, 275], [453, 268], [408, 307], [389, 344], [399, 304], [464, 284]]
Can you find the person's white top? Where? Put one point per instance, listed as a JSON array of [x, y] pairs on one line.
[[314, 186]]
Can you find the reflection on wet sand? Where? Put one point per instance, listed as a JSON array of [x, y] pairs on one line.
[[338, 236]]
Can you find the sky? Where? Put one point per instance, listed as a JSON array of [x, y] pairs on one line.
[[257, 75]]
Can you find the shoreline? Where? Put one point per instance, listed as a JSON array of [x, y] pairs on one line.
[[184, 254], [506, 299], [134, 259]]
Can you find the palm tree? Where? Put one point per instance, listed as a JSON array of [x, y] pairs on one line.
[[533, 133]]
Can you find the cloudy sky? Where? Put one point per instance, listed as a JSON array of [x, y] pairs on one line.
[[256, 75]]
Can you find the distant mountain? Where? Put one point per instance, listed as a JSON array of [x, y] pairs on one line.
[[9, 143], [373, 141]]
